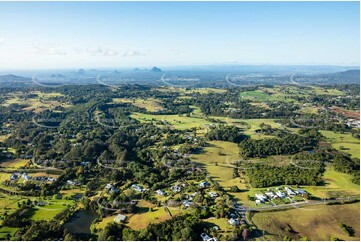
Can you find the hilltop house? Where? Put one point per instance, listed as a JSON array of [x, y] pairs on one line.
[[120, 218]]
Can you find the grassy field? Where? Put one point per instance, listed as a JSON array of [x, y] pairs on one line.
[[222, 223], [36, 104], [4, 231], [337, 184], [150, 104], [177, 122], [13, 164], [265, 95], [159, 214], [217, 160], [48, 211], [319, 223], [351, 144], [185, 91]]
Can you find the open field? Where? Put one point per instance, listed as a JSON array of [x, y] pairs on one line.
[[4, 231], [159, 214], [337, 184], [177, 122], [48, 211], [184, 91], [150, 104], [14, 163], [316, 223], [37, 104], [351, 144], [217, 160]]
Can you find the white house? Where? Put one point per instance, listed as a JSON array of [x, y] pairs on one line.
[[233, 221], [187, 203], [289, 191], [205, 237], [271, 194], [137, 188], [261, 197], [280, 194], [213, 194], [120, 218], [160, 192], [204, 184]]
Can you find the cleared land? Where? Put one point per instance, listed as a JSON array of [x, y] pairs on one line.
[[316, 223], [150, 104], [337, 184], [217, 159]]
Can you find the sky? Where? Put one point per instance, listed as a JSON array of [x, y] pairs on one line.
[[53, 35]]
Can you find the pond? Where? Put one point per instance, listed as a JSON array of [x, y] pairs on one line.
[[81, 221]]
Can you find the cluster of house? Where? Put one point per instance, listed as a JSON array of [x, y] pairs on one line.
[[26, 177], [206, 237], [353, 123], [235, 220], [261, 198]]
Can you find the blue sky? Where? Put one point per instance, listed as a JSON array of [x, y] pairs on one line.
[[123, 34]]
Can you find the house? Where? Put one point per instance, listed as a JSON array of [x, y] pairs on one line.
[[205, 237], [160, 192], [120, 218], [108, 186], [261, 197], [213, 194], [233, 221], [271, 194], [51, 179], [302, 192], [259, 201], [137, 188], [280, 194], [14, 176], [187, 203], [25, 176], [204, 184], [72, 183], [289, 191], [191, 196], [177, 188], [113, 190]]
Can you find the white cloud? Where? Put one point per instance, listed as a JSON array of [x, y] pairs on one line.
[[47, 49], [132, 53], [100, 51], [2, 40]]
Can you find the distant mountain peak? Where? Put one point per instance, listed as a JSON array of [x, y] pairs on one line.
[[155, 69]]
